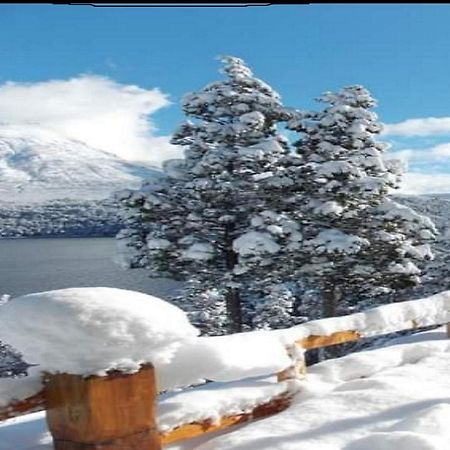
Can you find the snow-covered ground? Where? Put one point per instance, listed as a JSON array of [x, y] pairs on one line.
[[396, 397]]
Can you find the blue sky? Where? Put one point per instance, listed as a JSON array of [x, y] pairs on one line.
[[401, 53]]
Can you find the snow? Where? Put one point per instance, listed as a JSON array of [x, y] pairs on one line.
[[331, 168], [397, 394], [254, 242], [406, 267], [377, 321], [334, 240], [262, 176], [102, 328], [28, 432], [216, 400], [15, 389], [199, 251], [369, 400], [393, 210], [330, 207], [92, 330], [224, 358], [157, 243], [38, 165], [392, 397], [252, 119]]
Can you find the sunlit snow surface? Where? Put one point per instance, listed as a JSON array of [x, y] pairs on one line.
[[393, 397]]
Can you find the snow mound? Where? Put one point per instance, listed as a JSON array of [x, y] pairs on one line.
[[217, 400], [92, 330], [400, 440], [396, 397], [390, 398], [223, 358], [424, 312]]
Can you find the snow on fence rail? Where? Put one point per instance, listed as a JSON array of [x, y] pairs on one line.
[[128, 331]]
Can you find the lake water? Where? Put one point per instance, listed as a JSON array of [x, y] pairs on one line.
[[34, 265]]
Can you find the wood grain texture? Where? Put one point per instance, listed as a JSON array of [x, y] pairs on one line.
[[108, 413], [339, 337]]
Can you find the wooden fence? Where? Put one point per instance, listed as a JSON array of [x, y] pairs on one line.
[[118, 411]]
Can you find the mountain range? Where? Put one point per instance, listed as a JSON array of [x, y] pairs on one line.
[[38, 165]]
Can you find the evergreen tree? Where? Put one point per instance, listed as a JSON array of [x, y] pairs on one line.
[[355, 241], [186, 225]]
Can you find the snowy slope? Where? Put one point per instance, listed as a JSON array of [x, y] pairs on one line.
[[38, 165]]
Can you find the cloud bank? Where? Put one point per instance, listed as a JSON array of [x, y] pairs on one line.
[[419, 127], [418, 183], [422, 144], [93, 109]]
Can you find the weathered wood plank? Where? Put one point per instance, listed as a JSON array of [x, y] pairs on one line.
[[339, 337], [27, 406], [298, 369]]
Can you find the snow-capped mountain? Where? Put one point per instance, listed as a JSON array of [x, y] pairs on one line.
[[38, 165]]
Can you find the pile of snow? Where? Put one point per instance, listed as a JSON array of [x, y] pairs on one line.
[[394, 397], [433, 310], [217, 400], [92, 330], [224, 358], [255, 242]]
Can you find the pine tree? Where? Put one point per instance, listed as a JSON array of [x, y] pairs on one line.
[[186, 226], [353, 240]]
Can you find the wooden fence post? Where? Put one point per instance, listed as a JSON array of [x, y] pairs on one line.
[[114, 412], [448, 329], [298, 369]]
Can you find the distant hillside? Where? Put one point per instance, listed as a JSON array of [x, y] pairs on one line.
[[37, 165]]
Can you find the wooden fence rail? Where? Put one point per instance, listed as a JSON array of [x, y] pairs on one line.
[[118, 411]]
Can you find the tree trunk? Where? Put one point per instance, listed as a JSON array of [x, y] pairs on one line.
[[232, 296], [234, 310], [329, 295]]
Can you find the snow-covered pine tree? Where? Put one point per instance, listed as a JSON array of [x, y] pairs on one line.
[[436, 276], [186, 225], [355, 241]]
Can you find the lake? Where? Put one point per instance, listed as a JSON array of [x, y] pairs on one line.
[[35, 265]]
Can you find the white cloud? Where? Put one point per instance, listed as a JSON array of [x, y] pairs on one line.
[[441, 150], [437, 154], [429, 169], [417, 183], [419, 127], [94, 109]]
